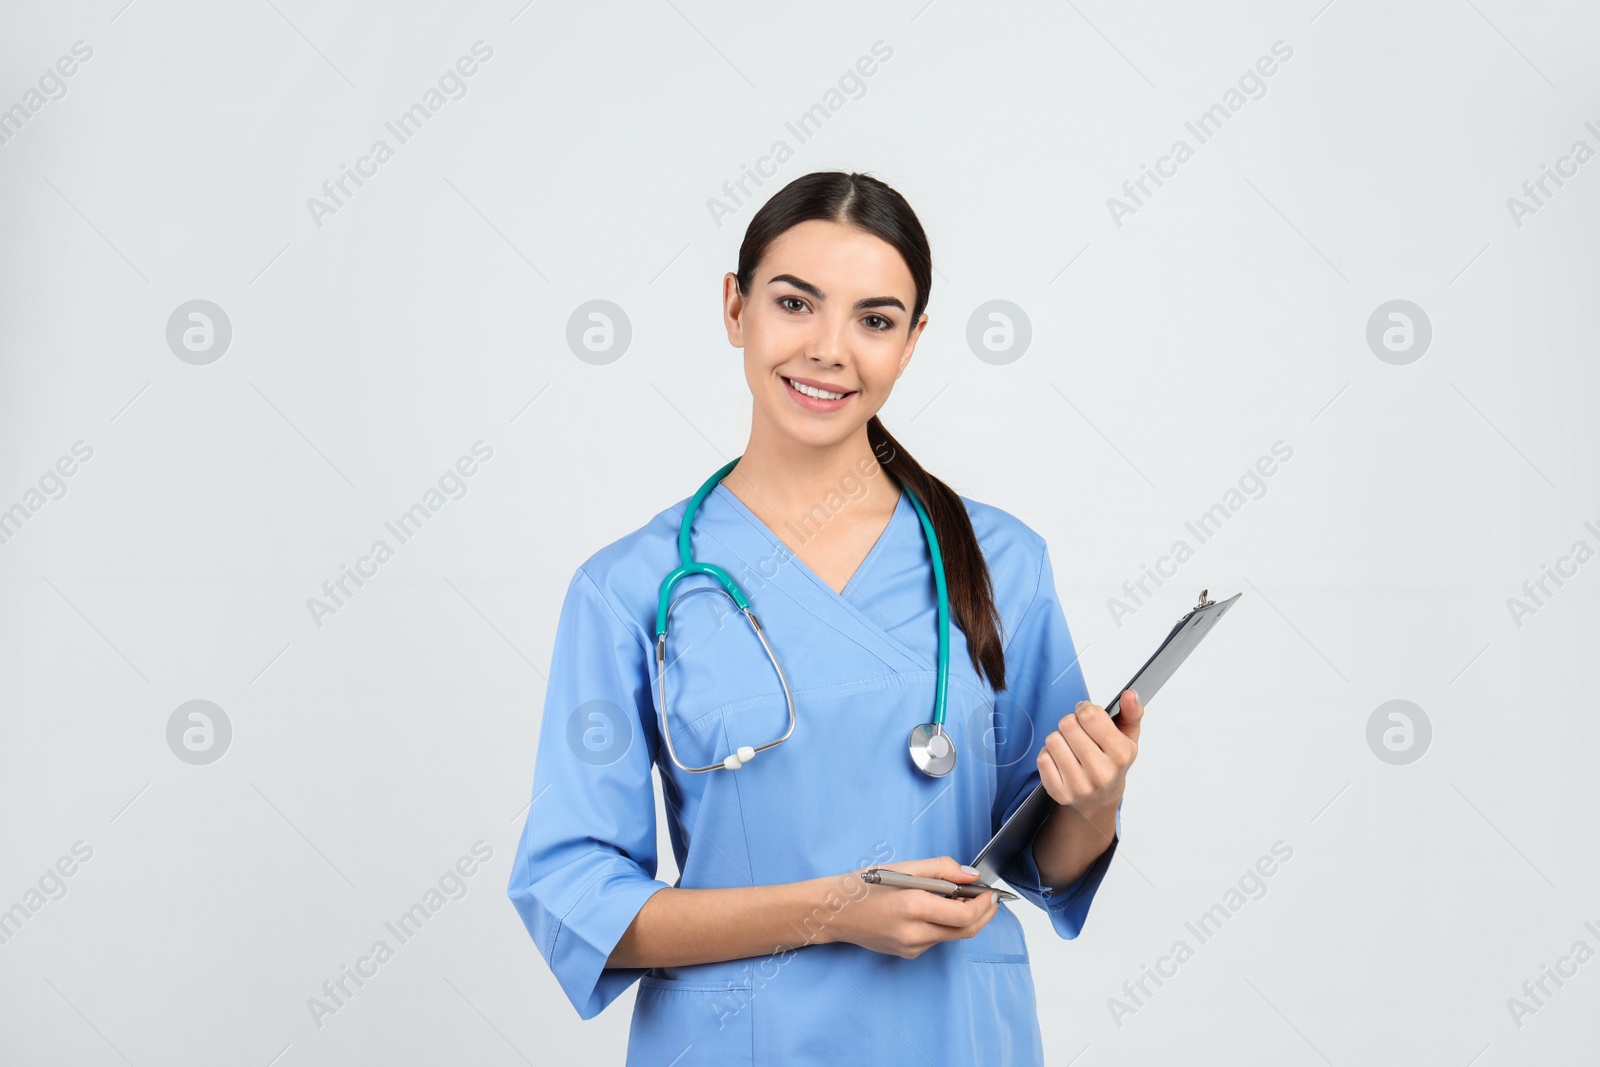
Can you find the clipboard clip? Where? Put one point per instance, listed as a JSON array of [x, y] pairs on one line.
[[1205, 601]]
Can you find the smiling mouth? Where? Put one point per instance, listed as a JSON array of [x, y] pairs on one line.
[[814, 393]]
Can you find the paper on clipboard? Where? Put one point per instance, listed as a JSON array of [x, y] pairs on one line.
[[1018, 831]]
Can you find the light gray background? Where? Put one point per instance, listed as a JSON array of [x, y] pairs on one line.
[[1167, 355]]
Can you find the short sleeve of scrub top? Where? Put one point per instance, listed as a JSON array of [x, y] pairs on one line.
[[587, 859]]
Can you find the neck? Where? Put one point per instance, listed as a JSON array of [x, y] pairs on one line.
[[781, 478]]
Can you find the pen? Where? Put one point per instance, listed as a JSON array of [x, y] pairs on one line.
[[941, 886]]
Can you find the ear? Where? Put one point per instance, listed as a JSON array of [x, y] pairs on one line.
[[911, 344], [733, 310]]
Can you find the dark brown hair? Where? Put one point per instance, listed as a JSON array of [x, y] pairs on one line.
[[873, 207]]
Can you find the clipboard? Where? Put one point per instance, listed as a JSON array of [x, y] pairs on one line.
[[1018, 831]]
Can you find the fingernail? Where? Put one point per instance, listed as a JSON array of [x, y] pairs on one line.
[[970, 870]]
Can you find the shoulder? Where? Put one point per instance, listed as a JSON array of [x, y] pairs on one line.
[[628, 572], [1000, 532], [1017, 556]]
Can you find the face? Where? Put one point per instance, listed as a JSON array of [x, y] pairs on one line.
[[829, 309]]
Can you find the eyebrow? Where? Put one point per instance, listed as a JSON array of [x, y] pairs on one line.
[[861, 305]]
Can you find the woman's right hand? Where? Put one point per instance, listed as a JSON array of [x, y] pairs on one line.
[[908, 922]]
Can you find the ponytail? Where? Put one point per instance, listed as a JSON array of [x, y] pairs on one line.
[[967, 578]]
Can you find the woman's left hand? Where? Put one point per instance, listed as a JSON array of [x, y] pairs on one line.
[[1085, 762]]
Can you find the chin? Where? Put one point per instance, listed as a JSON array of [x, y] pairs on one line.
[[818, 433], [814, 435]]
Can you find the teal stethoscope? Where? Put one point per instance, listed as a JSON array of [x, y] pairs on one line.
[[931, 748]]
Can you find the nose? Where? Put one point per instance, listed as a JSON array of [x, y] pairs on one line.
[[826, 345]]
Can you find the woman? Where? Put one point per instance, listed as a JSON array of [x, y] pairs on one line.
[[771, 948]]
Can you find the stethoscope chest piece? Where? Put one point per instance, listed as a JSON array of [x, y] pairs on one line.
[[932, 750]]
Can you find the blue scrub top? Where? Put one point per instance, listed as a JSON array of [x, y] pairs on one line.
[[839, 795]]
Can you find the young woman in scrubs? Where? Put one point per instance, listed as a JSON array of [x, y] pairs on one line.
[[769, 948]]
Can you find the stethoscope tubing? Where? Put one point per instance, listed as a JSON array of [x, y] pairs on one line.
[[688, 566]]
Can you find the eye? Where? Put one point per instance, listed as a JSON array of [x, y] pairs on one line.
[[878, 323], [783, 302]]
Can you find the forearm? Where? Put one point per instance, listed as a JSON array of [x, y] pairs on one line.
[[1070, 841], [678, 927]]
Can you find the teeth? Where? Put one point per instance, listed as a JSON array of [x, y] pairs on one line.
[[820, 394]]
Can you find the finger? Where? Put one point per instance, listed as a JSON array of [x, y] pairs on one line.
[[936, 867], [989, 903], [1050, 775], [988, 913], [1132, 714], [944, 913], [1067, 758], [1058, 751], [1100, 727], [979, 911], [1098, 767]]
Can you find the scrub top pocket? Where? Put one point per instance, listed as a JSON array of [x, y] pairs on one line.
[[687, 1022], [1001, 941]]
